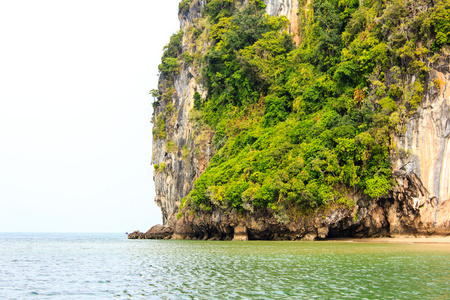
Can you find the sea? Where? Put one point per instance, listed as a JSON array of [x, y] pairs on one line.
[[109, 266]]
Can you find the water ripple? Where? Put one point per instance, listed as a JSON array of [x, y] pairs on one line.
[[109, 266]]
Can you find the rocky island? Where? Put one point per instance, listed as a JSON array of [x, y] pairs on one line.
[[304, 120]]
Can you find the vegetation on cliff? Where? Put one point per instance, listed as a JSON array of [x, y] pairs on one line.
[[301, 127]]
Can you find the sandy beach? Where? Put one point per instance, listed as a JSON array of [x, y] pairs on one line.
[[399, 240]]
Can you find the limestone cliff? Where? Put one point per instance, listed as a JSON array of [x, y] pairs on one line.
[[422, 155], [419, 203], [185, 151], [188, 158], [290, 10]]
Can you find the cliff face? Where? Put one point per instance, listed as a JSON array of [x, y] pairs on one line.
[[186, 150], [287, 8], [183, 167], [418, 204], [422, 155]]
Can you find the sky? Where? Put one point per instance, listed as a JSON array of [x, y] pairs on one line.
[[75, 110]]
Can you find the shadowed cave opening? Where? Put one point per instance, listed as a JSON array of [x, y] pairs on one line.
[[338, 232], [359, 230], [213, 233]]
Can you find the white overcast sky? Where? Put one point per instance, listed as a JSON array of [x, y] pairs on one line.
[[75, 132]]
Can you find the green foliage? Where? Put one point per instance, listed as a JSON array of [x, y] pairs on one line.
[[187, 57], [217, 9], [231, 77], [277, 109], [169, 61], [171, 146], [173, 49], [377, 186], [441, 22], [159, 131], [154, 93], [302, 128], [185, 152], [197, 100], [183, 6], [169, 66], [167, 95], [417, 95]]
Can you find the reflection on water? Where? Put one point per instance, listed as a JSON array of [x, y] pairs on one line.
[[107, 266]]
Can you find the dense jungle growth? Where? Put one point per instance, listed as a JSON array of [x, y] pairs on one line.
[[307, 126]]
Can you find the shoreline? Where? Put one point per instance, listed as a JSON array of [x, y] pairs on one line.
[[396, 240]]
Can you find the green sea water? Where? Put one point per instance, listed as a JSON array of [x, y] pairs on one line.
[[99, 266]]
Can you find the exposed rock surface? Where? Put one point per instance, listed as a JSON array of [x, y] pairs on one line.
[[423, 156], [287, 8], [418, 205], [136, 235], [180, 171], [159, 232]]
